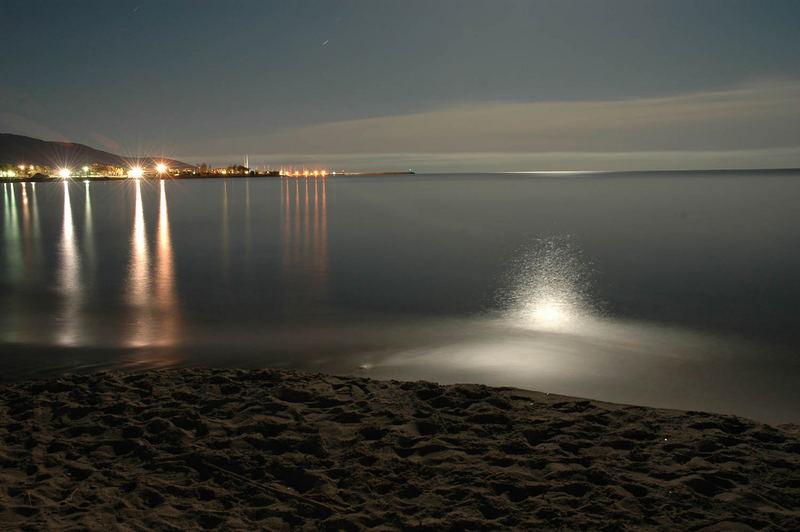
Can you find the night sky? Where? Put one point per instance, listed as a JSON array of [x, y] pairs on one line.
[[508, 85]]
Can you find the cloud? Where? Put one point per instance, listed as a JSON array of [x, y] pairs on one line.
[[756, 117], [520, 162]]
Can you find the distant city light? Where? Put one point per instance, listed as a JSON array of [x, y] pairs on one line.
[[135, 172], [22, 167], [161, 168], [304, 173], [64, 173], [85, 168]]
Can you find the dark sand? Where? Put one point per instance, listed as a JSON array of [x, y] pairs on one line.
[[233, 449]]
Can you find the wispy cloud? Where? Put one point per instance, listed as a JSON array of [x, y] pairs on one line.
[[764, 116], [519, 162]]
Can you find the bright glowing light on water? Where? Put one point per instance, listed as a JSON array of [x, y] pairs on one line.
[[166, 297], [85, 168], [69, 277], [138, 284], [136, 172], [12, 234], [161, 168], [64, 173], [549, 313], [550, 291]]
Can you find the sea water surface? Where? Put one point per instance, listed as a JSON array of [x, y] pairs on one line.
[[670, 289]]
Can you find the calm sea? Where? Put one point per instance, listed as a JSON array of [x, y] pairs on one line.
[[665, 289]]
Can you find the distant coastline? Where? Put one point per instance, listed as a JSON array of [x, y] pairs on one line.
[[40, 178], [25, 159]]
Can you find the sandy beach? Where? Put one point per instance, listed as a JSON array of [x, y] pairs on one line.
[[237, 449]]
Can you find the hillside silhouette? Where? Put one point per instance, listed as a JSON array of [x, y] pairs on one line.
[[19, 149]]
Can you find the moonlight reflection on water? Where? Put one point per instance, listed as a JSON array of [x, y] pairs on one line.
[[551, 286]]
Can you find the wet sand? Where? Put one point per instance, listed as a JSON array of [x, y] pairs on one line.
[[239, 449]]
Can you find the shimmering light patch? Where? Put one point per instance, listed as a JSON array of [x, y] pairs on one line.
[[558, 172], [549, 290]]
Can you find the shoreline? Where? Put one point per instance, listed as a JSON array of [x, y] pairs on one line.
[[194, 176], [200, 448]]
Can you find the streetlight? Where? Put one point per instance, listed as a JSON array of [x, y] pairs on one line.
[[135, 172], [161, 168], [64, 173]]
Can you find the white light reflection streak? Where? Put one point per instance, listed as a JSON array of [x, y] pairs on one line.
[[226, 259], [13, 238], [88, 231], [12, 235], [306, 228], [35, 214], [138, 290], [247, 232], [69, 278], [296, 216], [304, 233], [323, 245], [31, 259], [26, 221], [11, 323], [5, 206], [165, 294], [287, 228]]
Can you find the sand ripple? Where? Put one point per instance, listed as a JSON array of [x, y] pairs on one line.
[[202, 448]]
